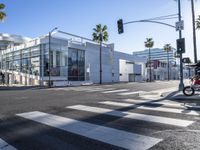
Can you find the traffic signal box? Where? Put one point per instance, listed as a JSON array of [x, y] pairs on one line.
[[120, 26], [180, 45]]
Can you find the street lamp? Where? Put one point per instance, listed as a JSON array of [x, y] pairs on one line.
[[49, 67]]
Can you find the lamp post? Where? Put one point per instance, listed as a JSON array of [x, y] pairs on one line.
[[181, 85], [49, 67]]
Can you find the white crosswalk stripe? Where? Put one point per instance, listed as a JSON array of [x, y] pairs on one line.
[[115, 91], [162, 103], [6, 146], [121, 92], [130, 93], [98, 90], [104, 134], [149, 118], [162, 109]]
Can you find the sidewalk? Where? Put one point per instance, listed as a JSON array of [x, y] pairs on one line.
[[17, 87], [178, 96]]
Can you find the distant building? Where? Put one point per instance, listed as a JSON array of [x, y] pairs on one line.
[[159, 64], [156, 54]]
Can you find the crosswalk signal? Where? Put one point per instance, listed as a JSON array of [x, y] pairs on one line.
[[180, 45], [120, 26]]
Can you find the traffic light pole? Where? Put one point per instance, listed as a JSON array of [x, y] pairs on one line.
[[152, 20], [181, 84]]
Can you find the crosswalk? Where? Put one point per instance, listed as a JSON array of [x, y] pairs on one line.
[[138, 112], [151, 95]]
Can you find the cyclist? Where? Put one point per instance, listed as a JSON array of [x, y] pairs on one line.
[[196, 79]]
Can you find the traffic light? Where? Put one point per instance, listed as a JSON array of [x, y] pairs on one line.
[[120, 26], [180, 45]]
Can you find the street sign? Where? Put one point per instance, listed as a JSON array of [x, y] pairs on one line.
[[186, 60], [179, 25]]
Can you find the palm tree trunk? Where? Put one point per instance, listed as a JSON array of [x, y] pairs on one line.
[[100, 71], [168, 63], [149, 65], [194, 31]]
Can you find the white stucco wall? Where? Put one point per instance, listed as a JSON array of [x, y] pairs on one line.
[[128, 57], [92, 60]]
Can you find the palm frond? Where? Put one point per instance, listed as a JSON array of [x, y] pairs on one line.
[[2, 6], [2, 15], [149, 43], [167, 47], [198, 23], [98, 27], [104, 28]]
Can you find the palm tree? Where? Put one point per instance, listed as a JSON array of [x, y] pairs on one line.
[[198, 22], [194, 31], [149, 44], [2, 14], [167, 48], [100, 35]]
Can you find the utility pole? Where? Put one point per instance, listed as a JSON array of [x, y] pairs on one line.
[[181, 85]]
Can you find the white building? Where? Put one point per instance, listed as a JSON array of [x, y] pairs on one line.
[[71, 60]]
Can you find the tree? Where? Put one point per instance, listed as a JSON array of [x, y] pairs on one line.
[[167, 48], [100, 35], [149, 44], [198, 22], [194, 31], [2, 14]]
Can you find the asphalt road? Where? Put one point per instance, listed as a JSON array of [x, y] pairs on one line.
[[96, 117]]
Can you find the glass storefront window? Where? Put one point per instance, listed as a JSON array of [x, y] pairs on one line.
[[25, 65], [76, 65], [25, 53], [35, 51], [35, 66], [46, 65], [58, 59], [16, 65]]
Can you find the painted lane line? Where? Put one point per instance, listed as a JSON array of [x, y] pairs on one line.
[[115, 91], [5, 146], [178, 105], [136, 116], [107, 135], [131, 93], [170, 110]]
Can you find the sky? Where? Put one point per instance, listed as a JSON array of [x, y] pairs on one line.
[[33, 18]]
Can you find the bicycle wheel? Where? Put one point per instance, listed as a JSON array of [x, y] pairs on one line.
[[188, 91]]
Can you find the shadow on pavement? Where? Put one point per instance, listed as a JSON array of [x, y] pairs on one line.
[[17, 88]]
